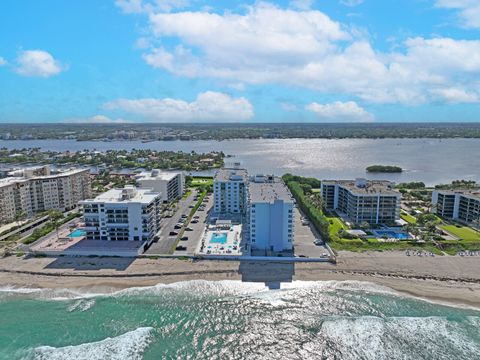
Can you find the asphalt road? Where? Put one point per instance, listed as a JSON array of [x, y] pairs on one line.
[[166, 242]]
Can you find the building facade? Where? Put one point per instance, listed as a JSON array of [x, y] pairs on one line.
[[361, 200], [128, 214], [34, 190], [170, 185], [463, 206], [270, 215], [230, 189]]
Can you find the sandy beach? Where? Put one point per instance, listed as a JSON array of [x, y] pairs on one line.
[[447, 279]]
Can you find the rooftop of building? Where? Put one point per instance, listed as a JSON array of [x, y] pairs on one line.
[[269, 190], [475, 193], [156, 174], [231, 174], [366, 187], [129, 194]]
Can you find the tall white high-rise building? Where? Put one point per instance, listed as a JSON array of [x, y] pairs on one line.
[[33, 190], [128, 214], [271, 215], [230, 191], [170, 185]]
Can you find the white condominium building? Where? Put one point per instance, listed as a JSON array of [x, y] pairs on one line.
[[460, 205], [230, 191], [169, 184], [361, 200], [271, 214], [128, 214], [34, 190]]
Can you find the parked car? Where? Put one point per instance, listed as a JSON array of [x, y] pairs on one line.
[[318, 242], [194, 221], [181, 248], [188, 229], [184, 216], [178, 226], [184, 238], [173, 233]]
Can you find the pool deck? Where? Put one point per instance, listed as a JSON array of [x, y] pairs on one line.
[[232, 245]]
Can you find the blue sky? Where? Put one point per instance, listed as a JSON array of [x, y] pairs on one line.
[[249, 61]]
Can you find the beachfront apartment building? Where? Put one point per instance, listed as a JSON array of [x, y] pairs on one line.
[[33, 190], [230, 189], [459, 205], [128, 214], [170, 185], [270, 215], [361, 200]]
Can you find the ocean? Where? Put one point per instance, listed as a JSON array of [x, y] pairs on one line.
[[234, 320], [433, 161]]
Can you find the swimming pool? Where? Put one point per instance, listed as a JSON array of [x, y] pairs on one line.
[[77, 233], [218, 238], [392, 234]]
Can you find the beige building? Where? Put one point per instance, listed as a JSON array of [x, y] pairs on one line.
[[34, 190]]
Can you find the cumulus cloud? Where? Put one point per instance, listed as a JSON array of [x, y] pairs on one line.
[[339, 111], [468, 11], [97, 119], [37, 63], [208, 106], [267, 44], [2, 61]]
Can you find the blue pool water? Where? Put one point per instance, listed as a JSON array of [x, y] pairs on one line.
[[76, 233], [220, 238], [392, 234]]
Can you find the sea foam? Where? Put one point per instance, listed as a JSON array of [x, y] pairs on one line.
[[130, 345]]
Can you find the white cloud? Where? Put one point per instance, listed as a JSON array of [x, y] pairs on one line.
[[468, 10], [141, 6], [37, 63], [2, 61], [301, 4], [208, 106], [97, 119], [455, 95], [340, 111], [270, 45], [351, 2]]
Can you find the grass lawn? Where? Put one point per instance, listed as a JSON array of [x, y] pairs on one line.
[[335, 225], [408, 218], [462, 232], [197, 181]]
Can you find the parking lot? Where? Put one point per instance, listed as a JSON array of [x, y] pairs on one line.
[[166, 242], [304, 238], [198, 227]]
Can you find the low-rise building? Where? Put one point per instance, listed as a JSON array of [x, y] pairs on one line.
[[271, 217], [230, 186], [361, 200], [33, 190], [128, 214], [170, 185], [460, 205]]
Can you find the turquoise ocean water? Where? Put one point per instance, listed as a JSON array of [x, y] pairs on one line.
[[234, 320]]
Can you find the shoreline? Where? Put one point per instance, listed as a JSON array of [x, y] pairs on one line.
[[425, 280]]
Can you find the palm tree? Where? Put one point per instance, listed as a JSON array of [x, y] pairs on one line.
[[55, 215]]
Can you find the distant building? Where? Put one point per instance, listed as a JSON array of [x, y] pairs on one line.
[[271, 217], [169, 184], [230, 191], [33, 190], [361, 200], [128, 214], [463, 206]]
